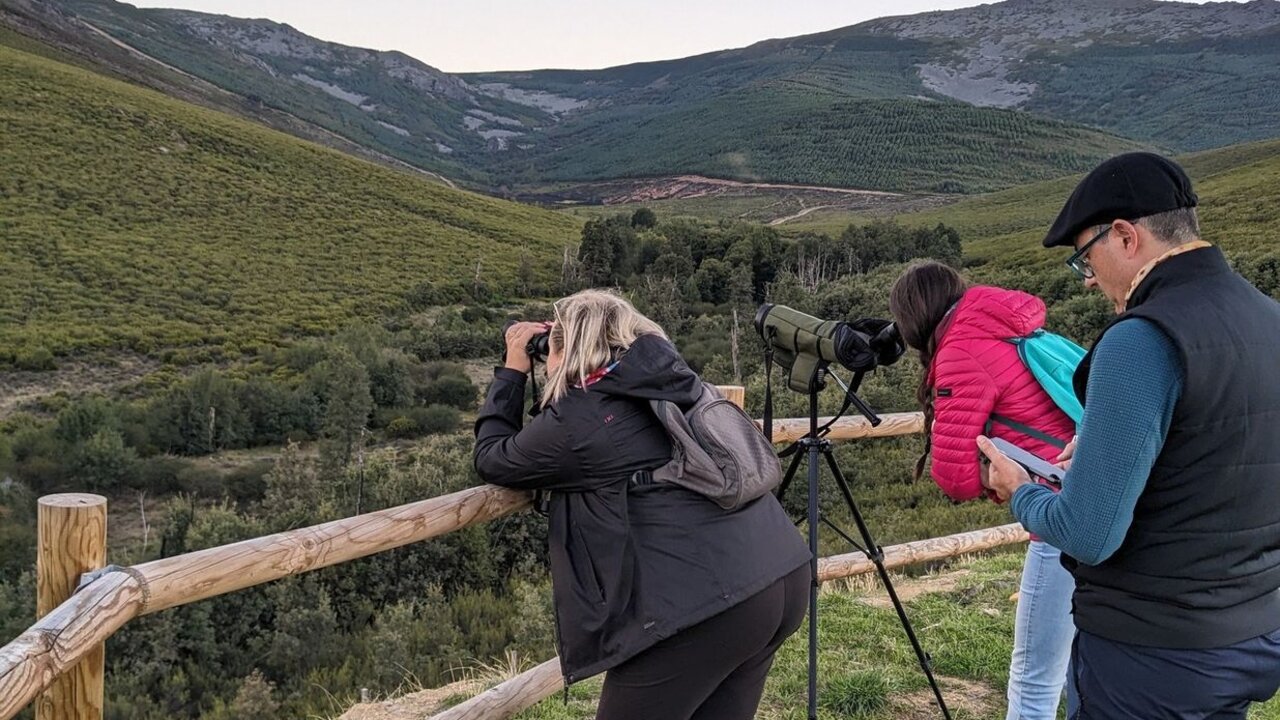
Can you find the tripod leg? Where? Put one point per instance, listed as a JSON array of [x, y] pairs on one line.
[[813, 574], [877, 556]]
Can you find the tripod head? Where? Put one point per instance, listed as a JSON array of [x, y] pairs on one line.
[[850, 394], [817, 382]]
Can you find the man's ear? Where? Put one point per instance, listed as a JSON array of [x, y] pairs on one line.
[[1129, 237]]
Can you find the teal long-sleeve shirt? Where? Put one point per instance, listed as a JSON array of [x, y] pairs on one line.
[[1134, 383]]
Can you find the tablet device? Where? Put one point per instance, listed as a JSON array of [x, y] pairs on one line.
[[1034, 464]]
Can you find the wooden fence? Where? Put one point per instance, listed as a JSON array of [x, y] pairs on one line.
[[58, 662]]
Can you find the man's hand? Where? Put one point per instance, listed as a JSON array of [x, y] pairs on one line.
[[1004, 476], [518, 337], [1068, 452]]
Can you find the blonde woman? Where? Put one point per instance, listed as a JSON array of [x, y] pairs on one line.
[[683, 603]]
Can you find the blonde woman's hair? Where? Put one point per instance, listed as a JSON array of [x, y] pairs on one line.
[[590, 326]]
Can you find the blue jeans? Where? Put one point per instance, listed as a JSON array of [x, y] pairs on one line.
[[1042, 634]]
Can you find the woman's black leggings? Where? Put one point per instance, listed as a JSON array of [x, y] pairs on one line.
[[714, 670]]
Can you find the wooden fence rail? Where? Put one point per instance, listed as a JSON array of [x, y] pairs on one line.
[[850, 428]]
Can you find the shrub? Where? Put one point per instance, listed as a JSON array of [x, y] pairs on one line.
[[452, 390], [104, 462], [159, 474], [391, 379], [435, 419], [428, 294], [402, 427], [37, 359], [80, 420], [643, 218], [440, 368], [201, 481], [273, 410], [248, 483], [42, 474], [200, 416]]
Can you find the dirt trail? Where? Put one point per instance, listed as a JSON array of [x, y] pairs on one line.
[[802, 213], [693, 186]]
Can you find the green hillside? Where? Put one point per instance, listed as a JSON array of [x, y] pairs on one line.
[[1188, 95], [133, 221], [1239, 189], [786, 132]]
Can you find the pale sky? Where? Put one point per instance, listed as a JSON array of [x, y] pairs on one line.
[[475, 35]]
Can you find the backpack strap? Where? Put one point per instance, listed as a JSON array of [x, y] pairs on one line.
[[1025, 430], [768, 391]]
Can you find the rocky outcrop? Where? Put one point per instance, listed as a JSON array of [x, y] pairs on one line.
[[993, 40]]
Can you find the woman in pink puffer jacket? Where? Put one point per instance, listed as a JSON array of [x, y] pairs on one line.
[[972, 373]]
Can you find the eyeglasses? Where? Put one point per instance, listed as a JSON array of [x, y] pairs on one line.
[[1080, 260]]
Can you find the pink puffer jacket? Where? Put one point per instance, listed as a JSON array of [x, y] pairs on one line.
[[976, 372]]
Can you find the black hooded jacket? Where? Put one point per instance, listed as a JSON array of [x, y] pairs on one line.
[[630, 565]]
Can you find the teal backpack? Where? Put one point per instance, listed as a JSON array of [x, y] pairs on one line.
[[1053, 360]]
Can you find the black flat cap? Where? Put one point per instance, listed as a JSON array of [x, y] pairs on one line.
[[1126, 187]]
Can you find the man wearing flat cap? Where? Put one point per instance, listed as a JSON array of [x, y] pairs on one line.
[[1169, 515]]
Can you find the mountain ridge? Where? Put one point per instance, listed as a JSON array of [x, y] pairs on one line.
[[1179, 77]]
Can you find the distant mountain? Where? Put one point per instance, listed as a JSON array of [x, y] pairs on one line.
[[958, 101], [1181, 75]]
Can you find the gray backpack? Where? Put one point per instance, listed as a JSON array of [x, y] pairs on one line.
[[717, 451]]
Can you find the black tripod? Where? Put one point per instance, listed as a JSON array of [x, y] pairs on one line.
[[814, 444]]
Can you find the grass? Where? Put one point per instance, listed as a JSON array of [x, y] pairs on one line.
[[136, 222], [867, 668]]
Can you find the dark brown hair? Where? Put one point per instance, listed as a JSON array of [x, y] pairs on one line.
[[919, 301]]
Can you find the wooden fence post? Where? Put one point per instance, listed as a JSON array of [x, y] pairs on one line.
[[72, 532], [735, 394]]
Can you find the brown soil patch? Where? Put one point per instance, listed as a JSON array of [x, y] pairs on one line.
[[909, 588], [792, 201], [973, 698]]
